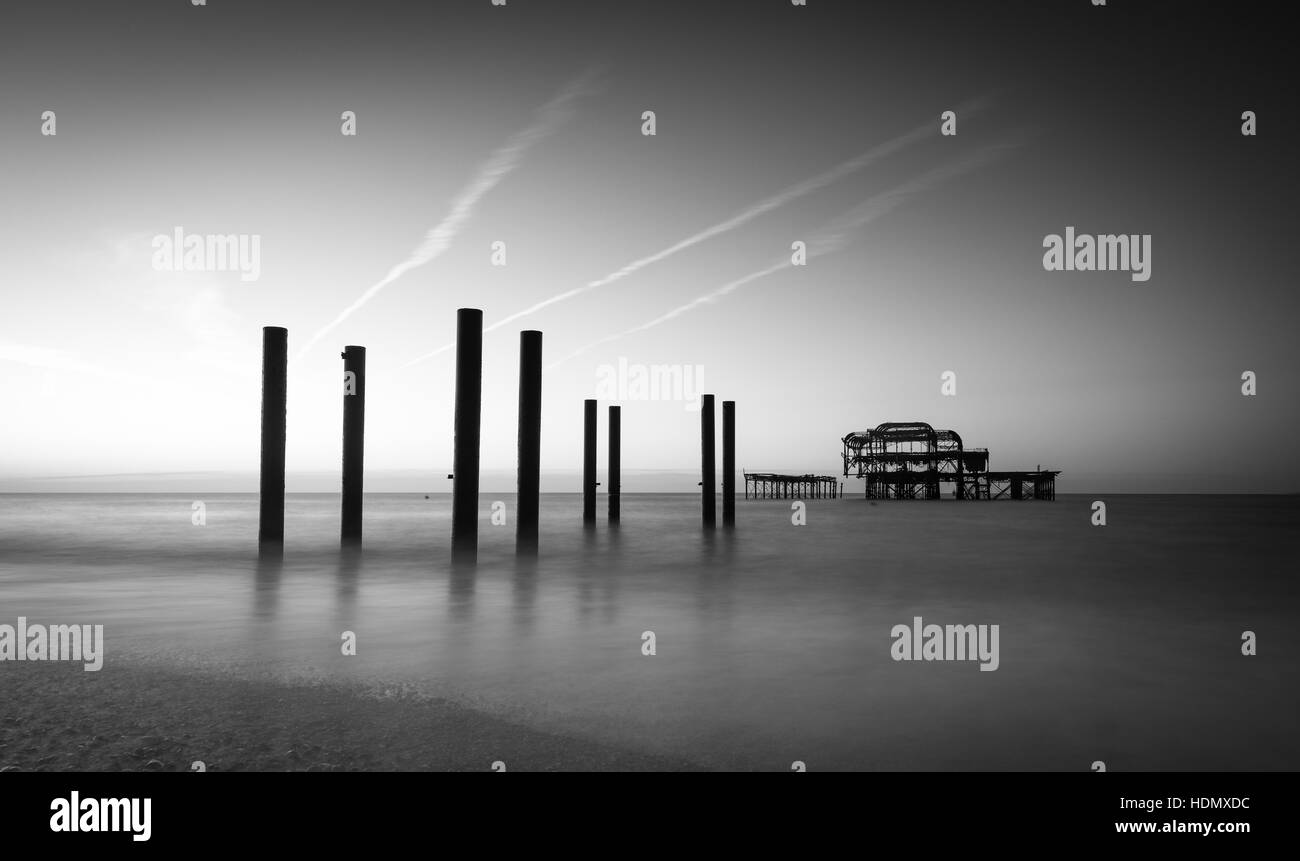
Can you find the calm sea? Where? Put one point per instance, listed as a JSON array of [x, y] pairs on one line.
[[1119, 643]]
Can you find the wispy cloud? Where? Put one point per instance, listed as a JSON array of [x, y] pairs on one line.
[[193, 306], [48, 358], [831, 237], [781, 198], [502, 162]]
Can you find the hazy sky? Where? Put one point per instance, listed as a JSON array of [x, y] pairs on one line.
[[523, 124]]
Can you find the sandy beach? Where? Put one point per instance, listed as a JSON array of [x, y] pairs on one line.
[[142, 718]]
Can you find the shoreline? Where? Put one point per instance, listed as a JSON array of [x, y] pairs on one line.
[[144, 718]]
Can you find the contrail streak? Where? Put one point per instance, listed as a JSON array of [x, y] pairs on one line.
[[504, 160], [833, 236], [47, 358], [789, 194], [679, 310]]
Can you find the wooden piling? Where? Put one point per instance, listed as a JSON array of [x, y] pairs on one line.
[[589, 462], [354, 433], [530, 440], [275, 374], [469, 405], [728, 463], [708, 470], [615, 463]]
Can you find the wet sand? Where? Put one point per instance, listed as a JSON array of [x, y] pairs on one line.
[[143, 718]]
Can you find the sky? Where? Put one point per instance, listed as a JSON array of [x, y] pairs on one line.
[[523, 124]]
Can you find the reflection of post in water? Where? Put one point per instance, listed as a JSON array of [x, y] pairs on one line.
[[585, 575], [608, 581], [598, 592], [266, 585], [708, 549], [460, 588], [713, 586], [525, 592], [596, 570], [586, 566], [349, 572]]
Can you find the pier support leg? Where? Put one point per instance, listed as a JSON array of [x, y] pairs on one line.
[[530, 441], [589, 462], [615, 463], [275, 374], [728, 463], [354, 441], [469, 406], [708, 468]]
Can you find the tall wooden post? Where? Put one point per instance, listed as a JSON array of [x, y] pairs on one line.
[[728, 463], [708, 470], [275, 375], [589, 462], [615, 477], [354, 445], [530, 440], [469, 405]]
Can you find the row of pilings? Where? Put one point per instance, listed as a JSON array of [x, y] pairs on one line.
[[708, 470], [465, 458]]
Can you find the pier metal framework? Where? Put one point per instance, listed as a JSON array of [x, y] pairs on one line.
[[912, 460], [771, 485]]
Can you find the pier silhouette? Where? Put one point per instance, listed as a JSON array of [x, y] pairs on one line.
[[898, 460]]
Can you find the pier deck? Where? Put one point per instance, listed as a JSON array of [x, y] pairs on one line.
[[771, 485]]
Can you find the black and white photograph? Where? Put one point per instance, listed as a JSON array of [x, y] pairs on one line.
[[516, 386]]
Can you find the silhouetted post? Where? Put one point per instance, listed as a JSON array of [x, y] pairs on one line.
[[275, 387], [708, 483], [589, 462], [615, 467], [728, 463], [530, 440], [354, 439], [469, 404]]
